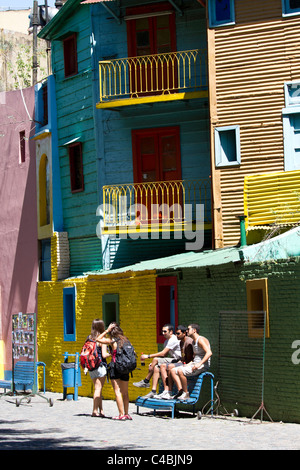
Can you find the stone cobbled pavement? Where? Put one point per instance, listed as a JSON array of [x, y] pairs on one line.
[[68, 425]]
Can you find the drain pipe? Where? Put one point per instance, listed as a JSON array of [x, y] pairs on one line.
[[242, 229]]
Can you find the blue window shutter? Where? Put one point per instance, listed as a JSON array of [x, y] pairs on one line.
[[69, 297], [221, 12]]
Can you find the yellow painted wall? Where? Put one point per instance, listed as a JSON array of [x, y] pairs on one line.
[[137, 310]]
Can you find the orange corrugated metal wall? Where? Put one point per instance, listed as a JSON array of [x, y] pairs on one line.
[[253, 60]]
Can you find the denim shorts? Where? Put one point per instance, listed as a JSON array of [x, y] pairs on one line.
[[97, 373]]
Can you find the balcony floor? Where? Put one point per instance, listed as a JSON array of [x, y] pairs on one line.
[[151, 99], [152, 228]]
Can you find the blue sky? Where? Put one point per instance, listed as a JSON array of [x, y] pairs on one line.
[[20, 4]]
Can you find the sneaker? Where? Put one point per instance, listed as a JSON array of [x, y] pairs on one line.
[[177, 395], [163, 395], [168, 396], [141, 384], [184, 396], [149, 395]]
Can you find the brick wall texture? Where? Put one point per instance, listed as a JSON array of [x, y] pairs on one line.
[[202, 294]]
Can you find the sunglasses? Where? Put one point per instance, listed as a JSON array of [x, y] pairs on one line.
[[164, 331], [178, 333]]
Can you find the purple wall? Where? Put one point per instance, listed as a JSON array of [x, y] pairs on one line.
[[18, 213]]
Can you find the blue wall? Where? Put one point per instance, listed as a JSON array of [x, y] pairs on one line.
[[75, 120], [191, 116], [113, 128]]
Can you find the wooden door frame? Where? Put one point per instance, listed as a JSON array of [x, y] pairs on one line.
[[151, 10], [158, 131]]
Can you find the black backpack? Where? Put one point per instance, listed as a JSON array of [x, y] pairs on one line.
[[125, 358]]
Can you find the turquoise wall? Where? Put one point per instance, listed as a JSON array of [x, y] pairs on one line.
[[106, 135], [113, 128], [75, 120], [116, 126]]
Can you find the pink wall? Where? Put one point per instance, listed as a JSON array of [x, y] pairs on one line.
[[18, 214]]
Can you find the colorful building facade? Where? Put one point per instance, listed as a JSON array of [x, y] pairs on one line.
[[129, 139], [253, 83], [271, 267], [105, 152]]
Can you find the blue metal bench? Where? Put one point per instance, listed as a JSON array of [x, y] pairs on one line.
[[194, 391], [6, 384], [23, 376]]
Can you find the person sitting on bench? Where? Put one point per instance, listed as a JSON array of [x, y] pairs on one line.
[[199, 364], [171, 353]]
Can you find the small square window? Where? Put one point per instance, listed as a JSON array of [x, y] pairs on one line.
[[221, 12], [290, 7], [70, 55], [22, 149], [76, 167], [69, 297], [292, 93], [227, 146]]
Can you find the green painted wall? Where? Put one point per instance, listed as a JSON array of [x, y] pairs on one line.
[[204, 292]]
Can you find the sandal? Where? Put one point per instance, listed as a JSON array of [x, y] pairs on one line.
[[121, 418], [128, 417]]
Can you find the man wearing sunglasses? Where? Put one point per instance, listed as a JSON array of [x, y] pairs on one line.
[[199, 364], [187, 354], [171, 353]]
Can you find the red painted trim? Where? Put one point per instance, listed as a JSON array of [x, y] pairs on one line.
[[131, 27], [74, 169], [70, 55], [157, 133], [165, 281]]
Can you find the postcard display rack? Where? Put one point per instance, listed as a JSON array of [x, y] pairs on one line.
[[24, 349]]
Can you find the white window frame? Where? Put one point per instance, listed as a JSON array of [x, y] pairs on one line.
[[292, 107], [220, 159], [286, 11], [291, 101]]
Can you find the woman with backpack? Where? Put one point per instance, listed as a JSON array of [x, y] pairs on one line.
[[119, 381], [98, 375]]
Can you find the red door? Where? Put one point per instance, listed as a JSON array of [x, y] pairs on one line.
[[156, 159], [148, 36]]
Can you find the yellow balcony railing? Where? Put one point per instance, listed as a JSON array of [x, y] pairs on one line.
[[158, 206], [160, 76], [272, 199]]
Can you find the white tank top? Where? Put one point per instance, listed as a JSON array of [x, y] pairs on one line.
[[199, 353]]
